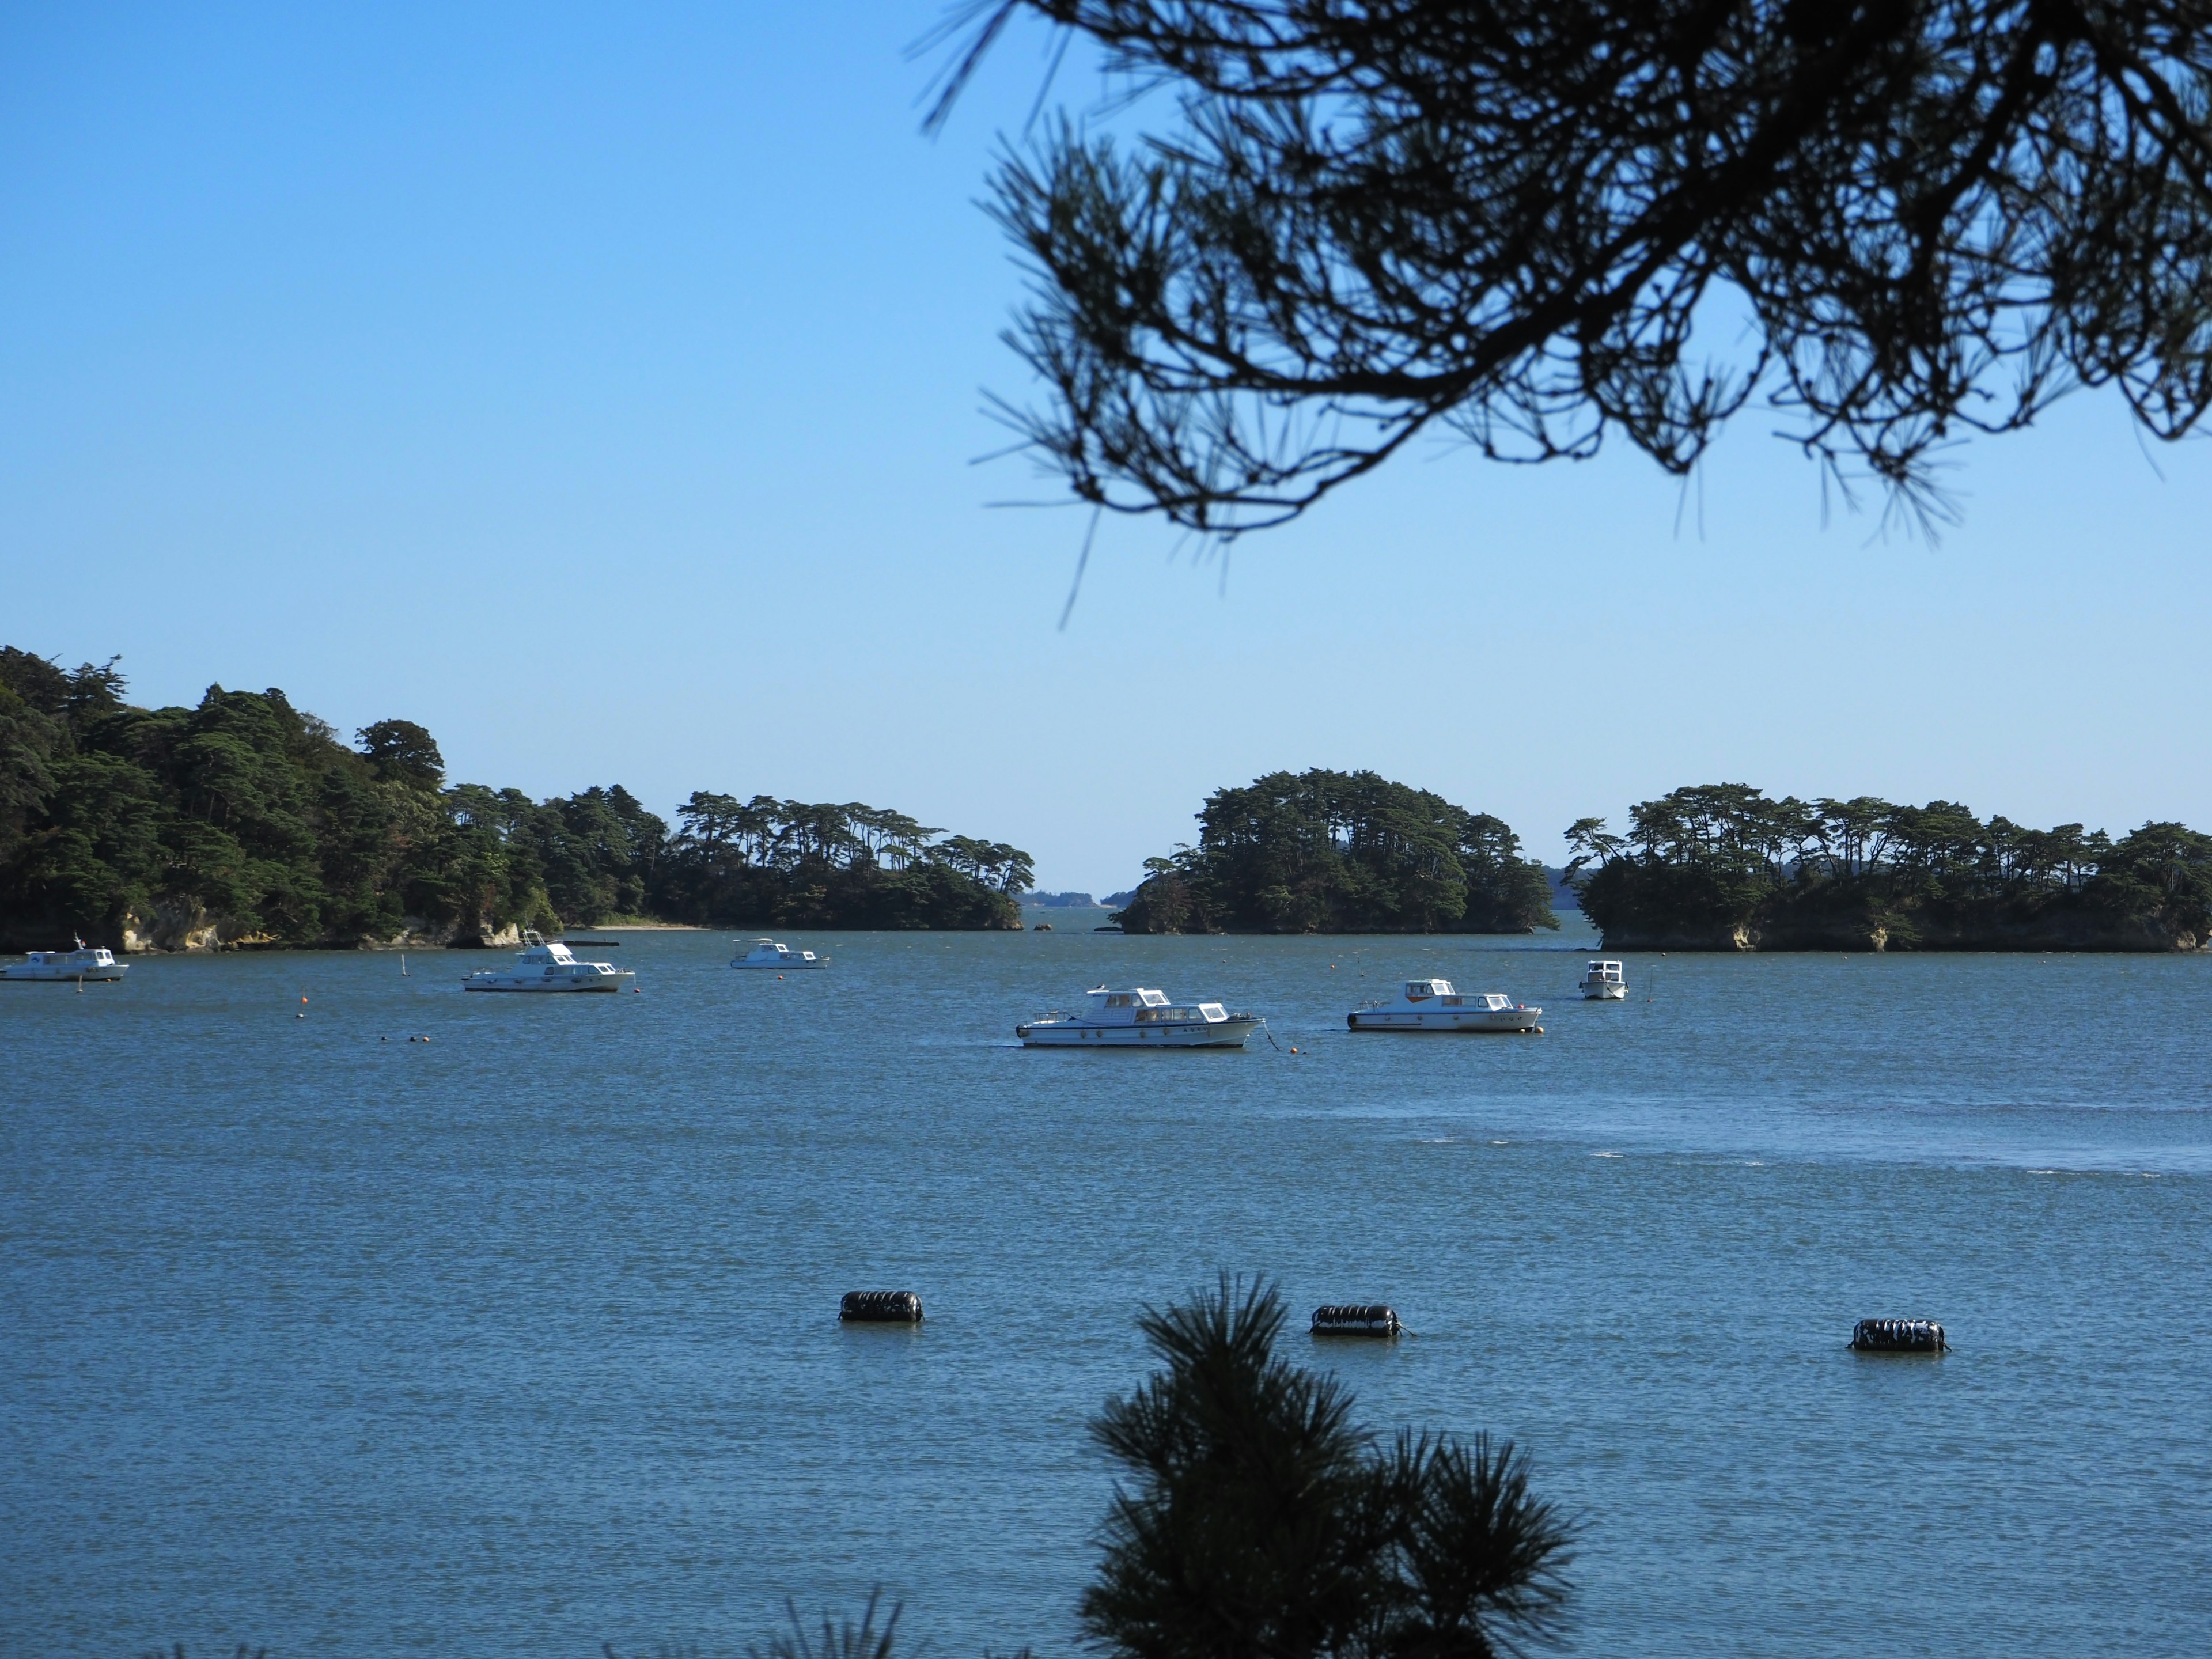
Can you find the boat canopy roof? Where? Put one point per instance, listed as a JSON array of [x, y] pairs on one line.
[[1138, 998], [1140, 1005], [1441, 991]]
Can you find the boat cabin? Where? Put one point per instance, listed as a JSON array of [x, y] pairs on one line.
[[554, 960], [1146, 1007], [557, 963], [768, 953], [96, 956], [1604, 973], [1440, 991]]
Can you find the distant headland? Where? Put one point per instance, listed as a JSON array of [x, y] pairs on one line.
[[1722, 867], [245, 822]]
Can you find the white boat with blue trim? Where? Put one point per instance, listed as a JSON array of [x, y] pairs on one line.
[[1432, 1005], [86, 961], [781, 958], [552, 967], [1140, 1019]]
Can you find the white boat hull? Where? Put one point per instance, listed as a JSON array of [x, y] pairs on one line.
[[1168, 1034], [1445, 1020], [621, 980], [55, 972], [1605, 993], [767, 953]]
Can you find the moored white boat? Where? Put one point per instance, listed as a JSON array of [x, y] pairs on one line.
[[768, 954], [1605, 981], [86, 961], [552, 967], [1432, 1005], [1140, 1019]]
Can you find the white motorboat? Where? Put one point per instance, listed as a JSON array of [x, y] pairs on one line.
[[1604, 981], [552, 967], [1432, 1005], [768, 954], [1141, 1019], [86, 961]]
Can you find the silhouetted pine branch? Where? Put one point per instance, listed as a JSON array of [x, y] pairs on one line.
[[1536, 222]]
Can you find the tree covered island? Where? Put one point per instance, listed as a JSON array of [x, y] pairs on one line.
[[1722, 867], [1324, 852], [247, 821]]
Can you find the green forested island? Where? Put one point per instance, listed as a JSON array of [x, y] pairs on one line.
[[1721, 868], [246, 821], [1341, 852]]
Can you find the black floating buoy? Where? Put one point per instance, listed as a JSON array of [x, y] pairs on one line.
[[1898, 1336], [880, 1308], [1356, 1319]]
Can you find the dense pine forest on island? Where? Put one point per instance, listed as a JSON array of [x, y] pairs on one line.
[[1341, 852], [246, 821], [1722, 867]]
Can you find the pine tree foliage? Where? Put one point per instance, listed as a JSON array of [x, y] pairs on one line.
[[1341, 852], [867, 1637], [252, 817], [1257, 1520], [1536, 223], [1709, 860]]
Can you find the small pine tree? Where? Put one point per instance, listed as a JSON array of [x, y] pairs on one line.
[[1259, 1523]]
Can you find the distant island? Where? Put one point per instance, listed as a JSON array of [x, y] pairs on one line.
[[1323, 852], [1722, 867], [1075, 901], [246, 822]]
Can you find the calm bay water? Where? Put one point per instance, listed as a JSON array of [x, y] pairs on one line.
[[524, 1339]]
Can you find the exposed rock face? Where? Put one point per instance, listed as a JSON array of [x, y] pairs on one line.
[[172, 927], [507, 937], [180, 928]]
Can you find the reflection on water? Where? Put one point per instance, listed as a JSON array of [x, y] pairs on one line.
[[524, 1339]]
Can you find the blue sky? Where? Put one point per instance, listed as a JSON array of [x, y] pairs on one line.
[[602, 388]]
